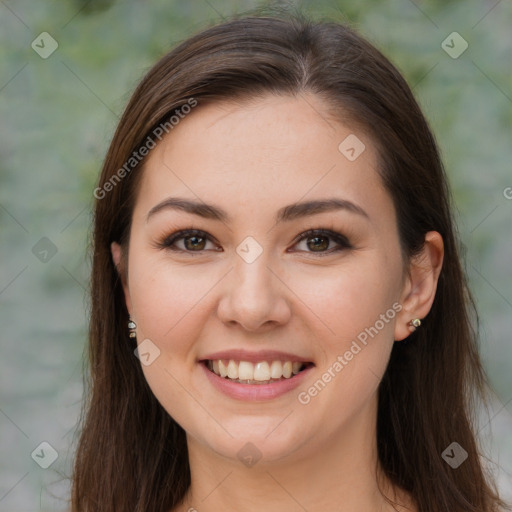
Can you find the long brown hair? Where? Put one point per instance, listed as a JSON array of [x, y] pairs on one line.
[[132, 456]]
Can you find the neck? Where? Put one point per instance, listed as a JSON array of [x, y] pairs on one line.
[[338, 472]]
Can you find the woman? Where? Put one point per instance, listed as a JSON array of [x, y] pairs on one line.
[[279, 316]]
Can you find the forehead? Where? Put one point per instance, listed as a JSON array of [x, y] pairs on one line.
[[269, 151]]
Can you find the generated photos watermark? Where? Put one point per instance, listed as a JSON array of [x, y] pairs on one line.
[[305, 397], [137, 156], [147, 352], [454, 455]]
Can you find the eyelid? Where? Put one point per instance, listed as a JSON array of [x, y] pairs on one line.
[[340, 238], [167, 242]]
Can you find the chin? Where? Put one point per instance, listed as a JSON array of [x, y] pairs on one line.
[[259, 440]]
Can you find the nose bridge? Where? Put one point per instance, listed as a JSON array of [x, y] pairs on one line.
[[253, 277], [254, 296], [253, 283], [251, 264]]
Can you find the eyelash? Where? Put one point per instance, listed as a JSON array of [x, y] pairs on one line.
[[340, 239]]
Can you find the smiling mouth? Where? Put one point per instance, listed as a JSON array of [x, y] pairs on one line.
[[263, 372]]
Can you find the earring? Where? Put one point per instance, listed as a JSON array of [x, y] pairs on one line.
[[414, 324], [132, 326]]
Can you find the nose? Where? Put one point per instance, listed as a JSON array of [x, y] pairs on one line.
[[254, 297]]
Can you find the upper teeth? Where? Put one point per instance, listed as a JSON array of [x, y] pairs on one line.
[[262, 371]]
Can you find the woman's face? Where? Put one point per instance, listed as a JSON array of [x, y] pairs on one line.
[[247, 287]]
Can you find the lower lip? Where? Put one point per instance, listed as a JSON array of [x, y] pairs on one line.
[[255, 392]]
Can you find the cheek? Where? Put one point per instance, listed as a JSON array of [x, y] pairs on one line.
[[359, 306], [355, 357], [167, 297], [169, 304], [353, 298]]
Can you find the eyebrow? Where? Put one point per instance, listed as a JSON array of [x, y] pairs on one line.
[[285, 214]]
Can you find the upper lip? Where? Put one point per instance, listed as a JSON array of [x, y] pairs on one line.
[[255, 357]]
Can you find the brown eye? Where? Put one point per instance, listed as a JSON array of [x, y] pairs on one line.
[[193, 241], [320, 241]]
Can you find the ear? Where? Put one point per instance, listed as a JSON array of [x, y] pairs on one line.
[[117, 257], [420, 285]]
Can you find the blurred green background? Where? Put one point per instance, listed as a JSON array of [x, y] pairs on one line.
[[57, 115]]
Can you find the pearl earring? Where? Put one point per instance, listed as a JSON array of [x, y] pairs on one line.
[[132, 326], [414, 324]]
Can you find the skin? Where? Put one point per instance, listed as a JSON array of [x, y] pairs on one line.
[[251, 159]]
